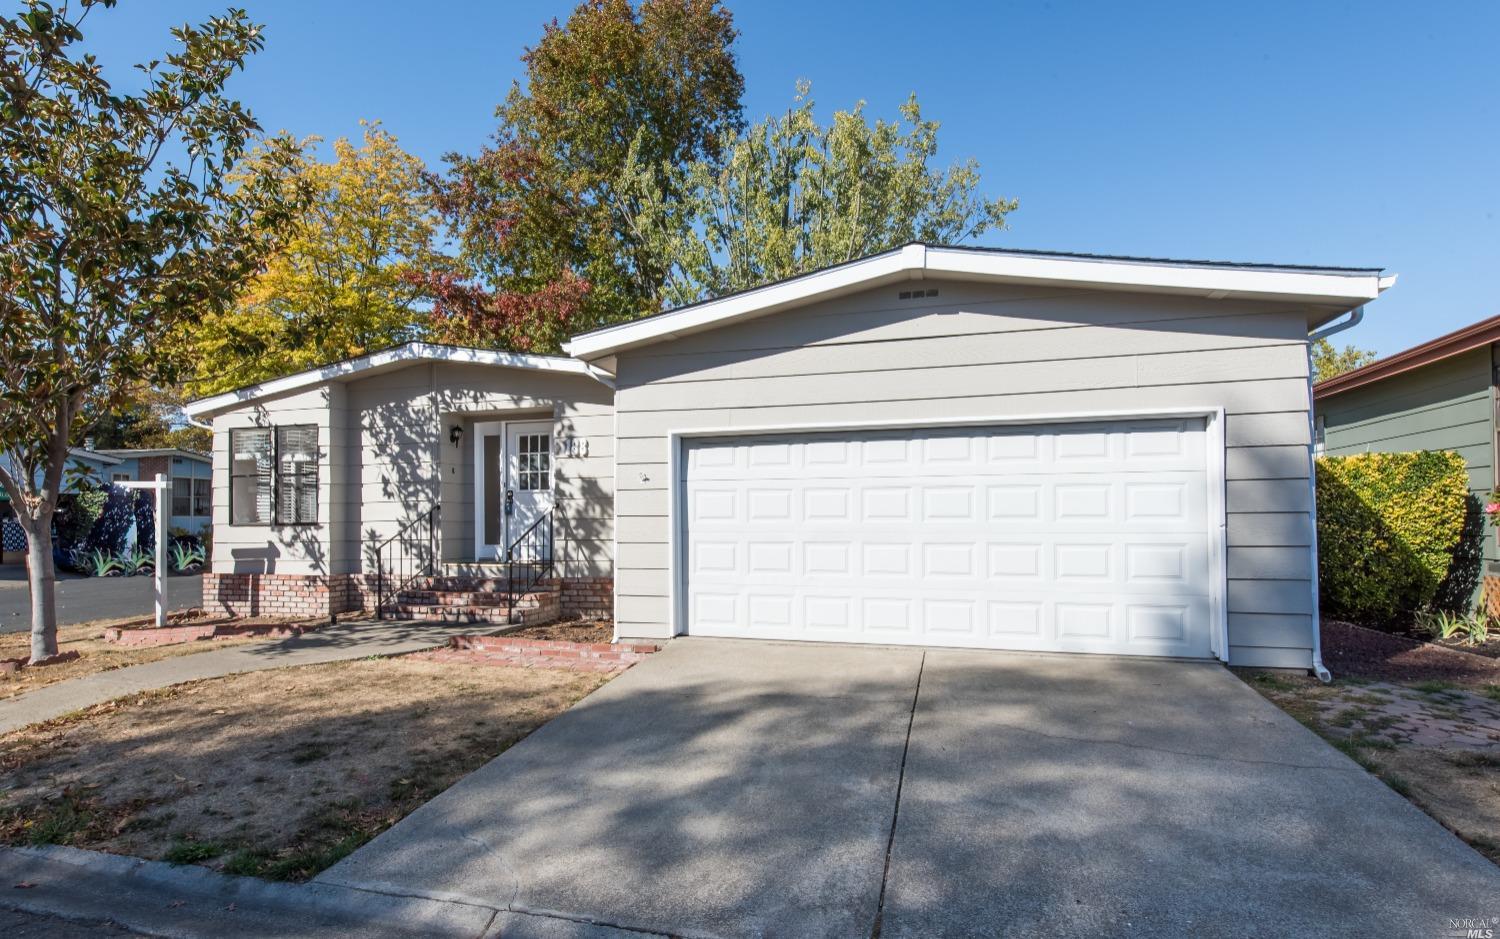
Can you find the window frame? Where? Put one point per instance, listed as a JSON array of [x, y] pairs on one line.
[[298, 478], [188, 497], [203, 497], [268, 475]]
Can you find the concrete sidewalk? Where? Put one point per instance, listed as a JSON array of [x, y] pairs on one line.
[[353, 640]]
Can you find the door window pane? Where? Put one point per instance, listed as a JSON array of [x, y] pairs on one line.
[[534, 462]]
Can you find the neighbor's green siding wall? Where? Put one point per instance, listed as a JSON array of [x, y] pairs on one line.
[[1442, 406]]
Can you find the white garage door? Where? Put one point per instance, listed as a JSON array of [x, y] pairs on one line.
[[1068, 537]]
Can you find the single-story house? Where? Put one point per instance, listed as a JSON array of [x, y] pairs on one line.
[[1440, 395], [932, 445], [83, 465], [190, 472]]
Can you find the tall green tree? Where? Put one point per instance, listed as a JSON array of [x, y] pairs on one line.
[[792, 195], [117, 222], [548, 242], [338, 283], [1330, 361]]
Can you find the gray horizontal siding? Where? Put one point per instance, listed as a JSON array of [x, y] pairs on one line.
[[989, 352], [1442, 406]]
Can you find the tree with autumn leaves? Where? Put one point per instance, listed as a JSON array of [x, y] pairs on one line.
[[118, 222], [622, 179], [339, 282], [548, 242]]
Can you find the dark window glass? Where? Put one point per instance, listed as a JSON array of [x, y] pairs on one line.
[[203, 497], [182, 496]]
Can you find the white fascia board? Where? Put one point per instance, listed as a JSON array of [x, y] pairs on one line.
[[1303, 286], [411, 352], [1313, 287], [856, 276]]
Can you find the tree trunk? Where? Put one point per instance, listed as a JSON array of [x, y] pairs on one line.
[[41, 577]]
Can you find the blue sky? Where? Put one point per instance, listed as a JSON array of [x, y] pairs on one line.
[[1342, 133]]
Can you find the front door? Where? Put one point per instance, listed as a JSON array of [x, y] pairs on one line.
[[513, 484]]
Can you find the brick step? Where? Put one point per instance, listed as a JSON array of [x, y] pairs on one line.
[[440, 614], [449, 582], [475, 598]]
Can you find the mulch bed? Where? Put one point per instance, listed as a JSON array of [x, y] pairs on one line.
[[1356, 651], [581, 630]]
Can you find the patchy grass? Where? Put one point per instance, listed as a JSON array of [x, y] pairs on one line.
[[275, 774], [1432, 741], [94, 656]]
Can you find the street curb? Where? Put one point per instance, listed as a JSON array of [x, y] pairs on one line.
[[172, 900]]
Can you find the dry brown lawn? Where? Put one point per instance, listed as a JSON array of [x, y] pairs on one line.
[[277, 774], [94, 655]]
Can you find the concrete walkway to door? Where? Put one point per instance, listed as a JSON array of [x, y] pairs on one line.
[[734, 788], [351, 640]]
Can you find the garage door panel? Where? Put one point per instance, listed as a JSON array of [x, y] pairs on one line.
[[1090, 538]]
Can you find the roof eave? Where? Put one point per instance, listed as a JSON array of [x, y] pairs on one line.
[[1324, 293], [411, 353], [1471, 337]]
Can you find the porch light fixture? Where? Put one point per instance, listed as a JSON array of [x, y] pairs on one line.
[[455, 434]]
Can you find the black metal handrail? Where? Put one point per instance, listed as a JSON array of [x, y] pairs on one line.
[[532, 554], [413, 554]]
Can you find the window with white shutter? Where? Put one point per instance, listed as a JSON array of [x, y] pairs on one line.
[[297, 474], [250, 476]]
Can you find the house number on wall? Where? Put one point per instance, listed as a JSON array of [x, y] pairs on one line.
[[572, 446]]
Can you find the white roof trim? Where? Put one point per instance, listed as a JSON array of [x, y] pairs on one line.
[[136, 453], [411, 352], [94, 456], [1339, 289]]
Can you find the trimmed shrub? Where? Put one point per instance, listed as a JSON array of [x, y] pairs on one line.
[[1388, 524]]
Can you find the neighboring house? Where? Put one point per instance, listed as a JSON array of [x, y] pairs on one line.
[[190, 472], [83, 465], [935, 446], [1440, 395]]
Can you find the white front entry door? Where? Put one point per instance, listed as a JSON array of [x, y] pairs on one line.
[[1066, 537], [513, 483]]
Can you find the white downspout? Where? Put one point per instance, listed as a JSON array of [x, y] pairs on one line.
[[1355, 315]]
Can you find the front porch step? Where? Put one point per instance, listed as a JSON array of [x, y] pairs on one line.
[[475, 597], [457, 599], [453, 583]]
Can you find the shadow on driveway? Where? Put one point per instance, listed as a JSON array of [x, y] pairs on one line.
[[735, 788]]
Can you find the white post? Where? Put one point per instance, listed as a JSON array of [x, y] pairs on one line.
[[162, 505]]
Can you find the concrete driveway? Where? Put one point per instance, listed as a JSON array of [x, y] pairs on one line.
[[85, 599], [732, 788]]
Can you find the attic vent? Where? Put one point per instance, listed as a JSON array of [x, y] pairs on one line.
[[917, 294]]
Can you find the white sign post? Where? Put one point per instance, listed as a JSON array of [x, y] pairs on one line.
[[160, 485]]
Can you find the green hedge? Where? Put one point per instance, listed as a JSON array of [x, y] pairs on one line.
[[1388, 524]]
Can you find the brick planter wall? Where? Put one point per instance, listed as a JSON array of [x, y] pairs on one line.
[[279, 594], [588, 597]]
